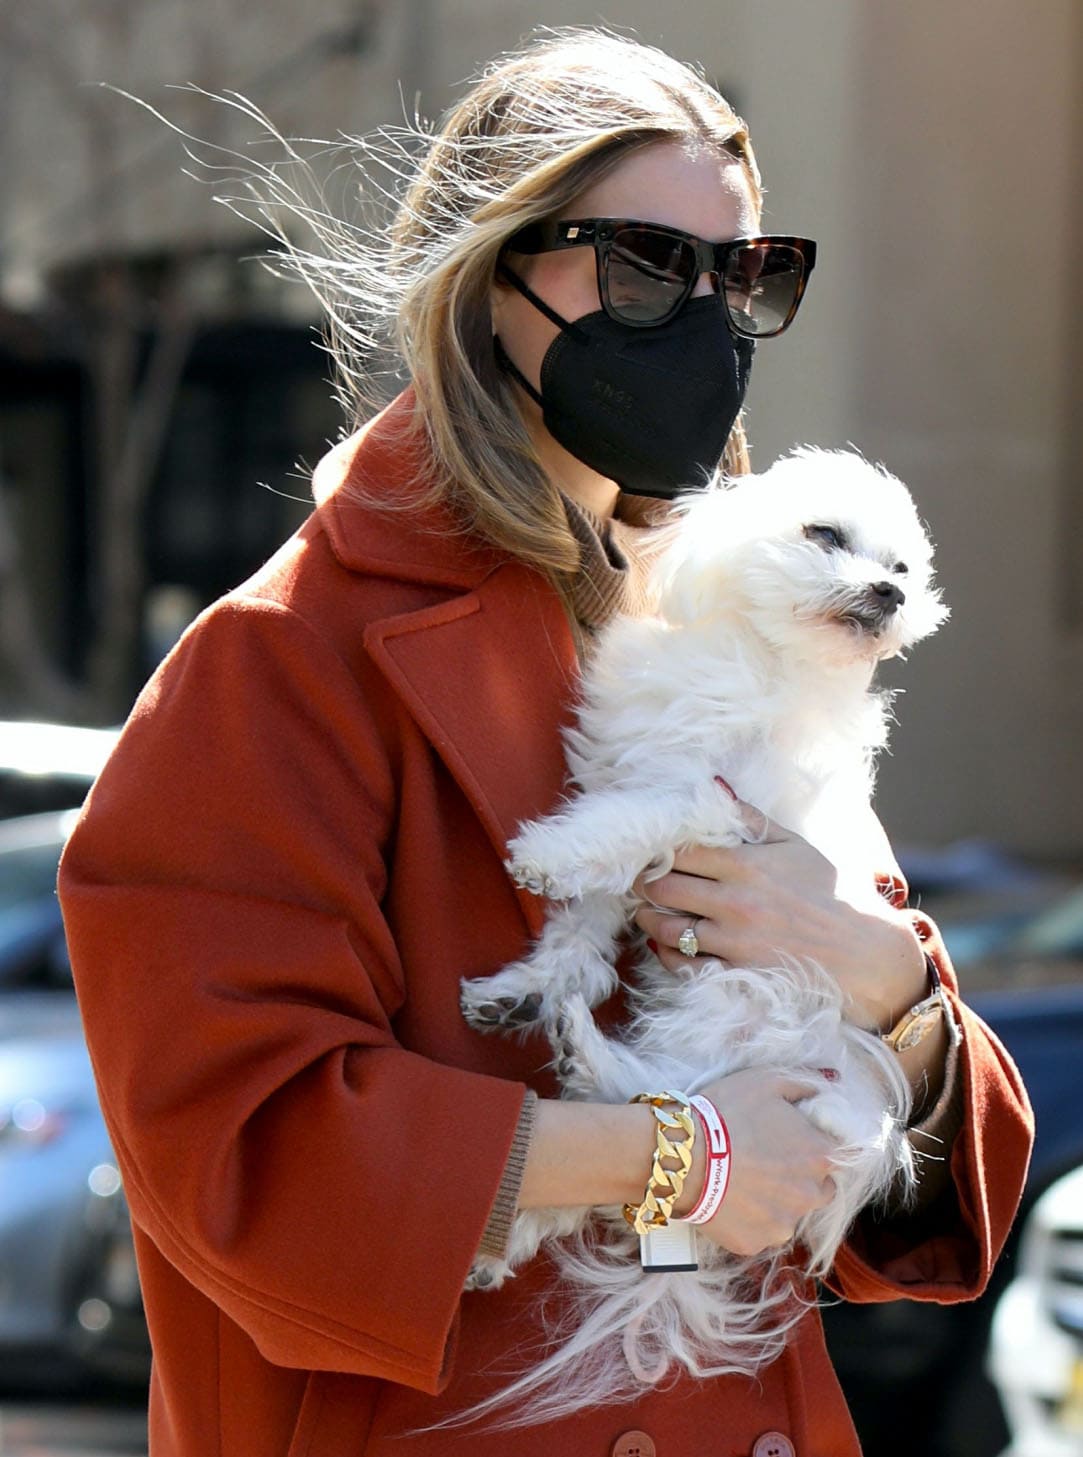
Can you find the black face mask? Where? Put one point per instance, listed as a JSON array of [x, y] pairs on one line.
[[651, 409]]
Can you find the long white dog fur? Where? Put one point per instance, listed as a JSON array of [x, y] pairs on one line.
[[776, 596]]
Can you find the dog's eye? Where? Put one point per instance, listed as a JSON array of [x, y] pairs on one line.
[[829, 537], [900, 568]]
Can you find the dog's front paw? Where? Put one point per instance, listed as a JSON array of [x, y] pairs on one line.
[[529, 876], [487, 1273], [495, 1004], [548, 860]]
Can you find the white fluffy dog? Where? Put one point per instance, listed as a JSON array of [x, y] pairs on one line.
[[776, 597]]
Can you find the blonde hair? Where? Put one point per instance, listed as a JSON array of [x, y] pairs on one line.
[[536, 128]]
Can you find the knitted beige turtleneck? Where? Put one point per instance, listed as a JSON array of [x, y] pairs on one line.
[[614, 559]]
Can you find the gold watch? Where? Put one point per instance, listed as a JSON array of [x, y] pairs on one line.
[[915, 1024]]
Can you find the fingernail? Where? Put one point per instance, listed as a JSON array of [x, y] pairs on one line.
[[652, 946], [728, 788], [831, 1074]]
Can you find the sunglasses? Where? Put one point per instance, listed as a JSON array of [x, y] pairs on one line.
[[646, 271]]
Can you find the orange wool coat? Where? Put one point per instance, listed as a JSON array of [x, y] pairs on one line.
[[292, 857]]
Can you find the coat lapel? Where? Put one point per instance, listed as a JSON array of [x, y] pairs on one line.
[[489, 672], [496, 719]]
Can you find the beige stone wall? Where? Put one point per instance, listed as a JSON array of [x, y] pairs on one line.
[[933, 149], [966, 381]]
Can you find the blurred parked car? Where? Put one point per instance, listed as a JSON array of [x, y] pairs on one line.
[[1036, 1355], [69, 1292], [49, 766]]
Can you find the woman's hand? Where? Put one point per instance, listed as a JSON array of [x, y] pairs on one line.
[[777, 894], [780, 1162], [601, 1154]]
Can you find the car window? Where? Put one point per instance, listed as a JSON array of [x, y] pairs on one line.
[[33, 953], [27, 874], [22, 794]]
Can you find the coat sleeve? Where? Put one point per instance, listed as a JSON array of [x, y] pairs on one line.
[[222, 890], [946, 1253]]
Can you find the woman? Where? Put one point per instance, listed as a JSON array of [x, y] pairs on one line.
[[296, 851]]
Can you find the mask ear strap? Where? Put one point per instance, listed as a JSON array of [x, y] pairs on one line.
[[505, 364], [504, 272]]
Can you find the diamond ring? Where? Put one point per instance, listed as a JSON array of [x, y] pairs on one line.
[[687, 944]]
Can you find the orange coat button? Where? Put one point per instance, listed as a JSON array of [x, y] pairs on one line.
[[634, 1444], [773, 1444]]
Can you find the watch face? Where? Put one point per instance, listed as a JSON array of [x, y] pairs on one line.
[[925, 1019]]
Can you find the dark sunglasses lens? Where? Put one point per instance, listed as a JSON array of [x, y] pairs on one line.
[[762, 284], [647, 274]]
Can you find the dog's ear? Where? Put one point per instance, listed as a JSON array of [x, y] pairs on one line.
[[694, 575]]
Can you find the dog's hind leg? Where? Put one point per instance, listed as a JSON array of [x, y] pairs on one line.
[[529, 1231], [591, 1066], [574, 953]]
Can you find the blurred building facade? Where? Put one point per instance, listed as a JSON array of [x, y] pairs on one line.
[[934, 151]]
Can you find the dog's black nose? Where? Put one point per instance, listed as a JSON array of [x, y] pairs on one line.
[[887, 596]]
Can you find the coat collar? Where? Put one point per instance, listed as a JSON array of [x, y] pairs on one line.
[[488, 672], [384, 461]]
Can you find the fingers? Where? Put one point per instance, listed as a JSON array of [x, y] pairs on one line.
[[680, 940], [714, 862], [757, 827], [783, 1164], [798, 1087], [711, 861], [755, 902], [651, 893], [684, 893], [717, 911], [759, 1086], [709, 865]]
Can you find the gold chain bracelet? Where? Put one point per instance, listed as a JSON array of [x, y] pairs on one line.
[[665, 1184]]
